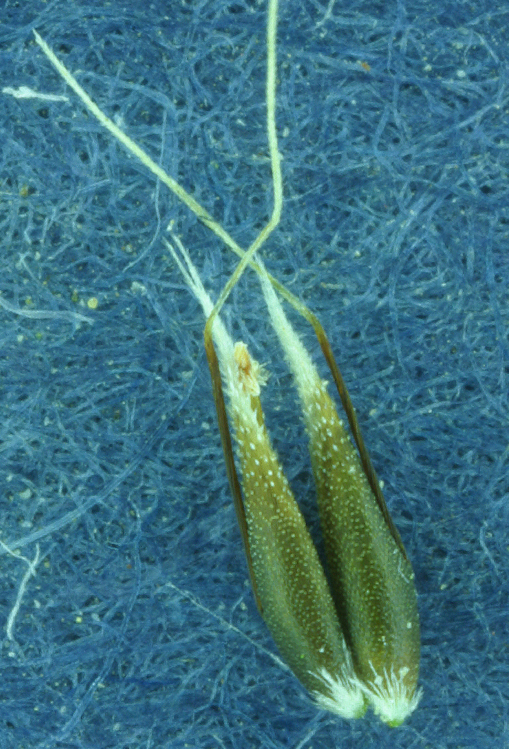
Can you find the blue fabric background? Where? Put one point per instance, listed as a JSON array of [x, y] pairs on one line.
[[139, 629]]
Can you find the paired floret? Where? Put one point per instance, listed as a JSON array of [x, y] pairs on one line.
[[355, 641]]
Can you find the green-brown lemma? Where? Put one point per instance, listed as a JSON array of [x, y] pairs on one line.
[[288, 580], [371, 577]]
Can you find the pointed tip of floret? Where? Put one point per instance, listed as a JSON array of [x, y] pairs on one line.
[[392, 699], [341, 695]]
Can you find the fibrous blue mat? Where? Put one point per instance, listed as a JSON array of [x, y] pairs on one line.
[[126, 614]]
